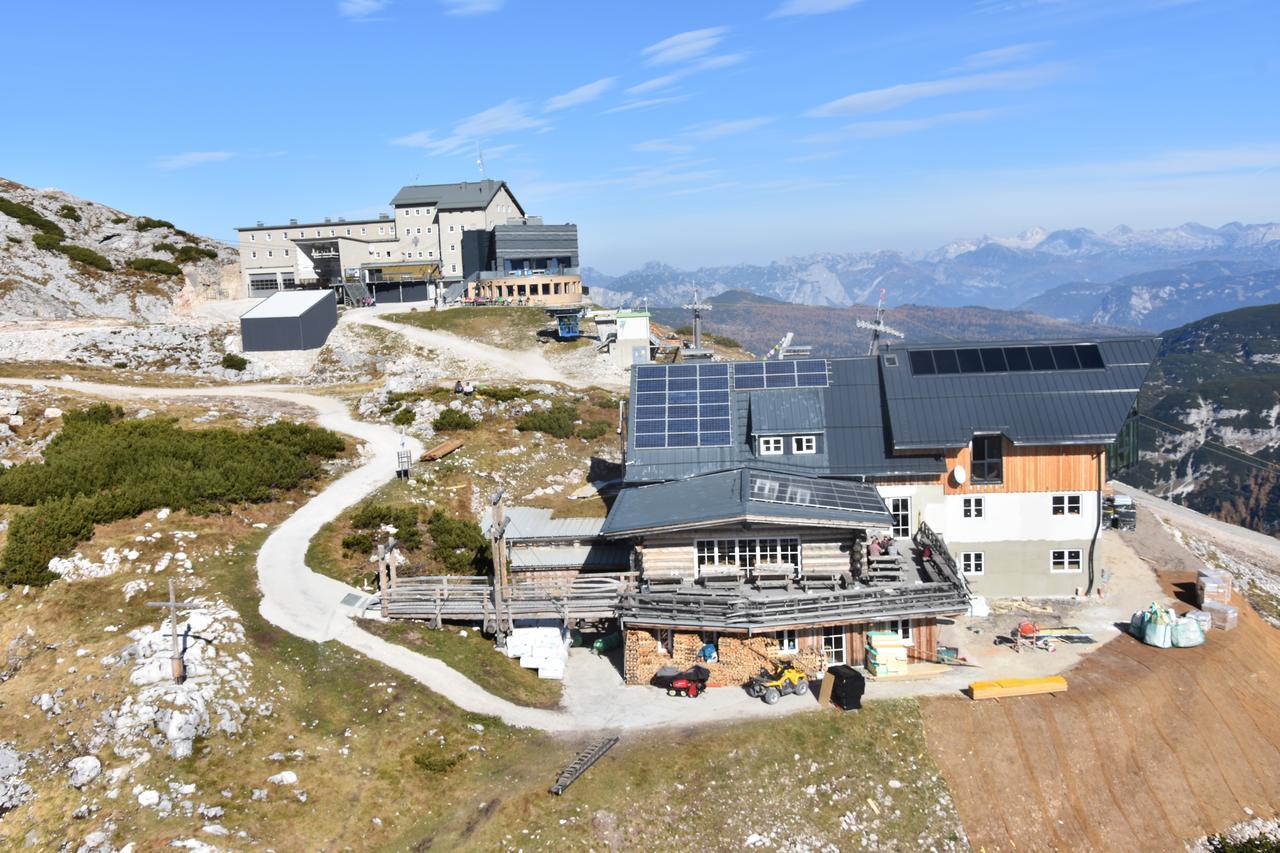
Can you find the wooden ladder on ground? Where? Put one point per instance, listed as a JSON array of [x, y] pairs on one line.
[[585, 759]]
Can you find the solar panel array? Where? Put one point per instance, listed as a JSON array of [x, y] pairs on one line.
[[824, 494], [786, 373], [682, 405], [1006, 359]]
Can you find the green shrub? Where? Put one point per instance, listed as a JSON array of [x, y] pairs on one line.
[[146, 223], [501, 393], [233, 361], [167, 247], [726, 341], [69, 212], [592, 430], [359, 543], [154, 265], [191, 254], [452, 419], [13, 239], [102, 468], [557, 420], [48, 242], [404, 519], [404, 417], [88, 257], [436, 765], [28, 216], [683, 331], [120, 365], [460, 545]]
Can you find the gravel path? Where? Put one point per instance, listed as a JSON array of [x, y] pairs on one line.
[[1248, 545], [529, 364]]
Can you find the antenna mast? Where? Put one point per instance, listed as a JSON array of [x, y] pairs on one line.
[[480, 160], [878, 327], [697, 307]]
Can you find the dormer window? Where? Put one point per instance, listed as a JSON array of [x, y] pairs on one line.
[[804, 444], [988, 459], [770, 445]]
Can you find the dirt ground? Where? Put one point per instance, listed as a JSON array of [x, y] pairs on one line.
[[1148, 748]]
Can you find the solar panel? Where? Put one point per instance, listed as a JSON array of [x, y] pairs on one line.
[[822, 494], [1005, 359], [786, 373], [682, 405]]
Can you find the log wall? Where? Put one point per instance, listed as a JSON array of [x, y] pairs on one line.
[[676, 554]]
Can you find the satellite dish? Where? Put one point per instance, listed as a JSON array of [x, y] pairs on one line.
[[959, 474]]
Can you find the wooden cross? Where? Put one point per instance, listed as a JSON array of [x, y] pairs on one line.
[[175, 655]]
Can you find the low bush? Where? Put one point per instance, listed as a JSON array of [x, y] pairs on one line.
[[404, 417], [13, 239], [28, 216], [146, 223], [557, 420], [69, 212], [435, 764], [452, 419], [234, 361], [726, 341], [48, 242], [88, 257], [358, 543], [460, 545], [190, 254], [166, 247], [102, 468], [119, 220], [501, 393], [683, 331], [372, 516], [592, 430], [154, 265], [120, 365]]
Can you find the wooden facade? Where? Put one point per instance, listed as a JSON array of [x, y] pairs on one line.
[[1040, 468]]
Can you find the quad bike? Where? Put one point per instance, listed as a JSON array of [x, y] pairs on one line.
[[772, 686], [690, 682]]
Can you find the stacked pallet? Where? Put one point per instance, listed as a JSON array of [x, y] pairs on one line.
[[1213, 585], [1221, 616], [886, 654]]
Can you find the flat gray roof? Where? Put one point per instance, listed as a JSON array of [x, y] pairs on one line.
[[332, 224], [464, 195], [287, 303]]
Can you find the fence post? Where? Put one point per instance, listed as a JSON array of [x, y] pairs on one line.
[[382, 582]]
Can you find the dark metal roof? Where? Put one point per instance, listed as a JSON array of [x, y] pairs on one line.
[[465, 195], [745, 494], [787, 412], [1037, 408]]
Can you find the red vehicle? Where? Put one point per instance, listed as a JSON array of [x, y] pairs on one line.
[[690, 682]]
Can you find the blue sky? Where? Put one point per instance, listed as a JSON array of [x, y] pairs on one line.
[[692, 133]]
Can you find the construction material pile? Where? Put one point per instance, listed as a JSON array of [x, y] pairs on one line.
[[1161, 627], [886, 654], [1213, 593]]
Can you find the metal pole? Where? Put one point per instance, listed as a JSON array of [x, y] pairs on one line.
[[175, 656], [382, 582]]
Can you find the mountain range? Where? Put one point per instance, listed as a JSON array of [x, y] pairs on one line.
[[992, 272]]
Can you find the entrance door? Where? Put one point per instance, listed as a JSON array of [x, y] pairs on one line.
[[833, 645], [900, 509]]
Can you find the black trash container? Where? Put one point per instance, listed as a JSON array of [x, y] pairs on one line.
[[847, 688]]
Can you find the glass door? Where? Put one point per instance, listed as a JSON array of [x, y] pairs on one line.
[[900, 510]]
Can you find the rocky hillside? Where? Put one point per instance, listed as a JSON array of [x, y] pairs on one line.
[[1215, 389], [62, 256], [759, 324], [990, 271], [1162, 299]]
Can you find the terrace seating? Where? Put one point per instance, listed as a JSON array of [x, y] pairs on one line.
[[657, 580], [811, 579], [771, 575], [720, 576]]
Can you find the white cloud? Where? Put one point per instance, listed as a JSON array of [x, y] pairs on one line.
[[192, 158], [877, 100], [508, 117], [663, 82], [668, 80], [471, 7], [811, 7], [684, 46], [719, 129], [360, 8], [898, 127], [581, 95], [662, 146], [1001, 55], [645, 103]]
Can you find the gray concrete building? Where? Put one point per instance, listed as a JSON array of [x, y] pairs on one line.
[[294, 320]]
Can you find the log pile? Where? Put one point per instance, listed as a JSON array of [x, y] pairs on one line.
[[739, 657]]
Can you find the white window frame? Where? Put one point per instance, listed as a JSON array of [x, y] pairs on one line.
[[771, 445], [450, 229], [746, 552], [804, 444], [973, 563], [899, 531], [788, 642], [254, 253], [1066, 505], [834, 645], [975, 508], [270, 253], [268, 235], [901, 627], [1064, 557], [253, 238]]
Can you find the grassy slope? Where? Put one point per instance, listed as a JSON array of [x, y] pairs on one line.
[[503, 327]]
